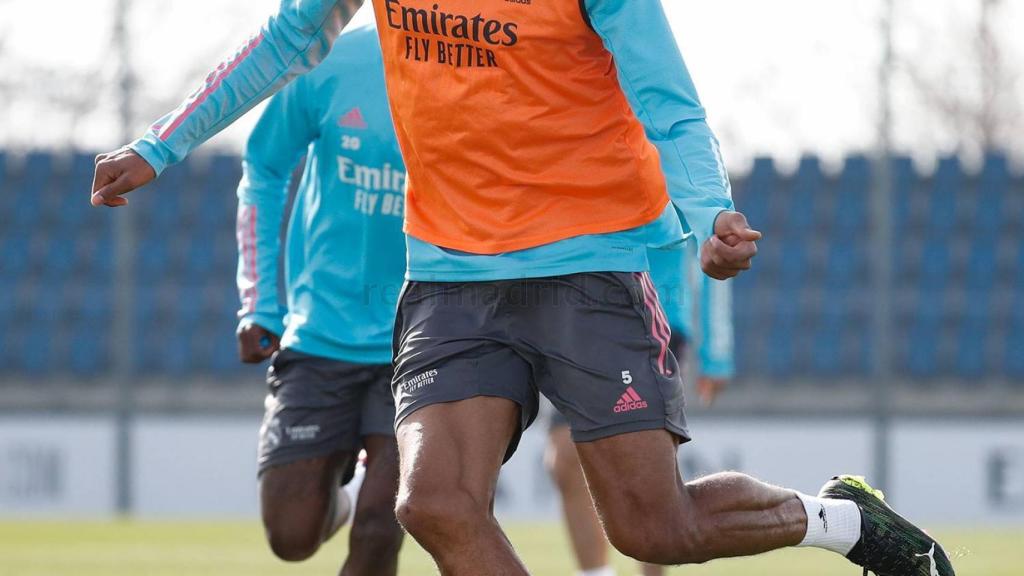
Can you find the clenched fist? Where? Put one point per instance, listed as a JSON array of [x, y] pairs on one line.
[[118, 173], [256, 343], [731, 249]]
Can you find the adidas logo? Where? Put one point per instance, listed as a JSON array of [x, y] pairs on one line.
[[630, 401], [353, 119]]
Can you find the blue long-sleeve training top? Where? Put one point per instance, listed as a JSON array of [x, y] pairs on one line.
[[345, 250]]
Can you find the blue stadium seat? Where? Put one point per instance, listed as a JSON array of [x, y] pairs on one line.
[[27, 212], [60, 257], [153, 256], [793, 268], [935, 265], [1013, 350], [826, 343], [37, 171], [1016, 279], [846, 264], [200, 255], [982, 267], [781, 354], [993, 186], [753, 195], [32, 355], [944, 196], [904, 185], [922, 361], [924, 334], [89, 316], [174, 357], [808, 187], [15, 256], [851, 199], [972, 342]]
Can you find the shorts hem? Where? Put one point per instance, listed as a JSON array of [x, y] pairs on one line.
[[527, 419], [272, 461], [627, 427]]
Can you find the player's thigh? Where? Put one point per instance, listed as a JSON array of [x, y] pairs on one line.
[[296, 498], [451, 454], [635, 482]]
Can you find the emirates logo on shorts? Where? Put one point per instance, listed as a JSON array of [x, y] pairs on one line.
[[629, 401]]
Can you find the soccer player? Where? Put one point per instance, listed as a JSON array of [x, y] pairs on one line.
[[714, 368], [548, 144], [330, 383]]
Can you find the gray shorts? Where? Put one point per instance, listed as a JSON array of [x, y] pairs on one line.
[[595, 344], [318, 406]]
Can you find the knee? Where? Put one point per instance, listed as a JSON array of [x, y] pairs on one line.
[[437, 512], [293, 545]]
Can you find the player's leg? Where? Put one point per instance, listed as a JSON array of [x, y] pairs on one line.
[[376, 537], [463, 397], [308, 444], [628, 446], [614, 377], [651, 515], [301, 506], [586, 535], [451, 456]]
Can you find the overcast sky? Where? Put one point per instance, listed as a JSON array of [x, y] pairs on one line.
[[778, 78]]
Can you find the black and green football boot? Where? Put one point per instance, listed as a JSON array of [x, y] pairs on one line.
[[889, 544]]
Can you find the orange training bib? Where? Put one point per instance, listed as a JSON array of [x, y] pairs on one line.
[[513, 126]]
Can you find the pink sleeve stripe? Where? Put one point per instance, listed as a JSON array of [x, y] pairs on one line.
[[213, 82], [246, 232]]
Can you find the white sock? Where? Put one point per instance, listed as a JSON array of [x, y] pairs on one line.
[[832, 524], [355, 484], [348, 495], [603, 571]]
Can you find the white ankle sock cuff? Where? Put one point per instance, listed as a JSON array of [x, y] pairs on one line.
[[832, 524]]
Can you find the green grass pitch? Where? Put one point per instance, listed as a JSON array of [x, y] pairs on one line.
[[237, 549]]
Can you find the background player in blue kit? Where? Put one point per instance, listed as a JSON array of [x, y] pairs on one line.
[[330, 381]]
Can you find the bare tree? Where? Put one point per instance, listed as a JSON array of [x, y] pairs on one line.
[[975, 99]]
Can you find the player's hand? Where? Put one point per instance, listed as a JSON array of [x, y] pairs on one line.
[[118, 173], [731, 249], [256, 343], [709, 388]]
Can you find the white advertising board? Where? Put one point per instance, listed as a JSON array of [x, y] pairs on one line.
[[56, 466], [187, 467], [963, 472], [942, 472]]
